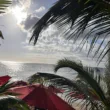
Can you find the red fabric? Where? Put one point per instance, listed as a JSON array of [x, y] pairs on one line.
[[22, 90], [43, 98], [4, 79]]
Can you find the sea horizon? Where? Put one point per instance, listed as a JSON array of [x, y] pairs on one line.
[[23, 70]]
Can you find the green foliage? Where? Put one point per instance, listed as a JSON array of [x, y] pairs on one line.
[[78, 89], [87, 91], [3, 5], [94, 85], [10, 103], [7, 102], [1, 35]]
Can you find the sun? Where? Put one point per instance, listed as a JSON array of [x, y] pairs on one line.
[[19, 13]]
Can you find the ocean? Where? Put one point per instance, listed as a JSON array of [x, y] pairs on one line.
[[21, 71]]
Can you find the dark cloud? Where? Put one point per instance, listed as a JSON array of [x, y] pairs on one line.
[[29, 22]]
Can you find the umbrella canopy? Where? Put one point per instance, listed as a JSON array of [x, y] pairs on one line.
[[22, 91], [41, 97], [4, 79]]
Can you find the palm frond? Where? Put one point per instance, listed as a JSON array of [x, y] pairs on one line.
[[53, 79], [1, 35], [5, 87], [11, 103], [4, 4], [80, 15], [92, 82], [4, 90]]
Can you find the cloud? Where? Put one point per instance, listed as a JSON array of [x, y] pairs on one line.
[[51, 42], [42, 8], [29, 22]]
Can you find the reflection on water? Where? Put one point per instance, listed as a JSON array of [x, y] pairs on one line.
[[13, 66], [24, 70]]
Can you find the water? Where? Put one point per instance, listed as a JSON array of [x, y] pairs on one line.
[[21, 71]]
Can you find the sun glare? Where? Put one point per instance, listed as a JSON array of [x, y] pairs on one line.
[[19, 13], [11, 65]]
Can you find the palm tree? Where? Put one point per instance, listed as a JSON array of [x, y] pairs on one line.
[[88, 94], [92, 16], [3, 5], [94, 84]]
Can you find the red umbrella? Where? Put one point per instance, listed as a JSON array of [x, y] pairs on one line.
[[4, 79], [41, 97], [22, 91]]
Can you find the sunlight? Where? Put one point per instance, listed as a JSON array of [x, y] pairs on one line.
[[19, 13], [11, 65]]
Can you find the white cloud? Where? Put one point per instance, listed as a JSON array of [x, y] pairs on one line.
[[51, 41], [42, 8]]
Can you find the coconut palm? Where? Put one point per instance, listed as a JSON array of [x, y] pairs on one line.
[[94, 85], [88, 94], [3, 5], [92, 16]]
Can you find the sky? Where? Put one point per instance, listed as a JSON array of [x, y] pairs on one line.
[[16, 25]]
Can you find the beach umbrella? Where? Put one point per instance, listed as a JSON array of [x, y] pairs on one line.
[[22, 91], [19, 83], [4, 79], [26, 89], [41, 97]]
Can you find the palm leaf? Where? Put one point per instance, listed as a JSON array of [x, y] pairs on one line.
[[5, 87], [52, 79], [92, 82], [9, 103], [80, 15], [1, 35], [4, 90], [4, 4]]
